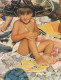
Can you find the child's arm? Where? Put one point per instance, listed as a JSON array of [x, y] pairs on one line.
[[7, 21], [36, 28], [36, 31], [16, 36]]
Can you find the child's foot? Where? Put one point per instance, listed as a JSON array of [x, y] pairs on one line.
[[45, 60]]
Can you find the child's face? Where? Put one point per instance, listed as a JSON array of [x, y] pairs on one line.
[[26, 17]]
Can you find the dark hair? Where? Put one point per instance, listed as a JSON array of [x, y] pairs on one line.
[[24, 10]]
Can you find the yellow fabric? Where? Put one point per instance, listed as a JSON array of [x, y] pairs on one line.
[[28, 66], [39, 69], [55, 25], [47, 28], [51, 29], [25, 67]]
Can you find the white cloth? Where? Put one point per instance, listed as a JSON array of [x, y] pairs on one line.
[[13, 20]]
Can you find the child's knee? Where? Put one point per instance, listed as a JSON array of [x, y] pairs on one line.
[[23, 53]]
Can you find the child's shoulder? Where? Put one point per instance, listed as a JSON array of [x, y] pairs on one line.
[[17, 21]]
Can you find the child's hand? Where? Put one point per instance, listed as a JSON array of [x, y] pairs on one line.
[[30, 35]]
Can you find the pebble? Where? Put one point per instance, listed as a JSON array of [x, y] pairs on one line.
[[48, 74], [55, 77], [49, 69], [33, 74], [37, 78], [40, 76], [33, 78]]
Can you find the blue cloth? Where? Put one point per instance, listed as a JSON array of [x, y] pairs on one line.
[[3, 17]]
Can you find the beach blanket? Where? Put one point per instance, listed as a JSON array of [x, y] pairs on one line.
[[53, 28]]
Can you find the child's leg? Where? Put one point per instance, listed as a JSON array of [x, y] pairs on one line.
[[23, 48], [46, 46], [40, 59]]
